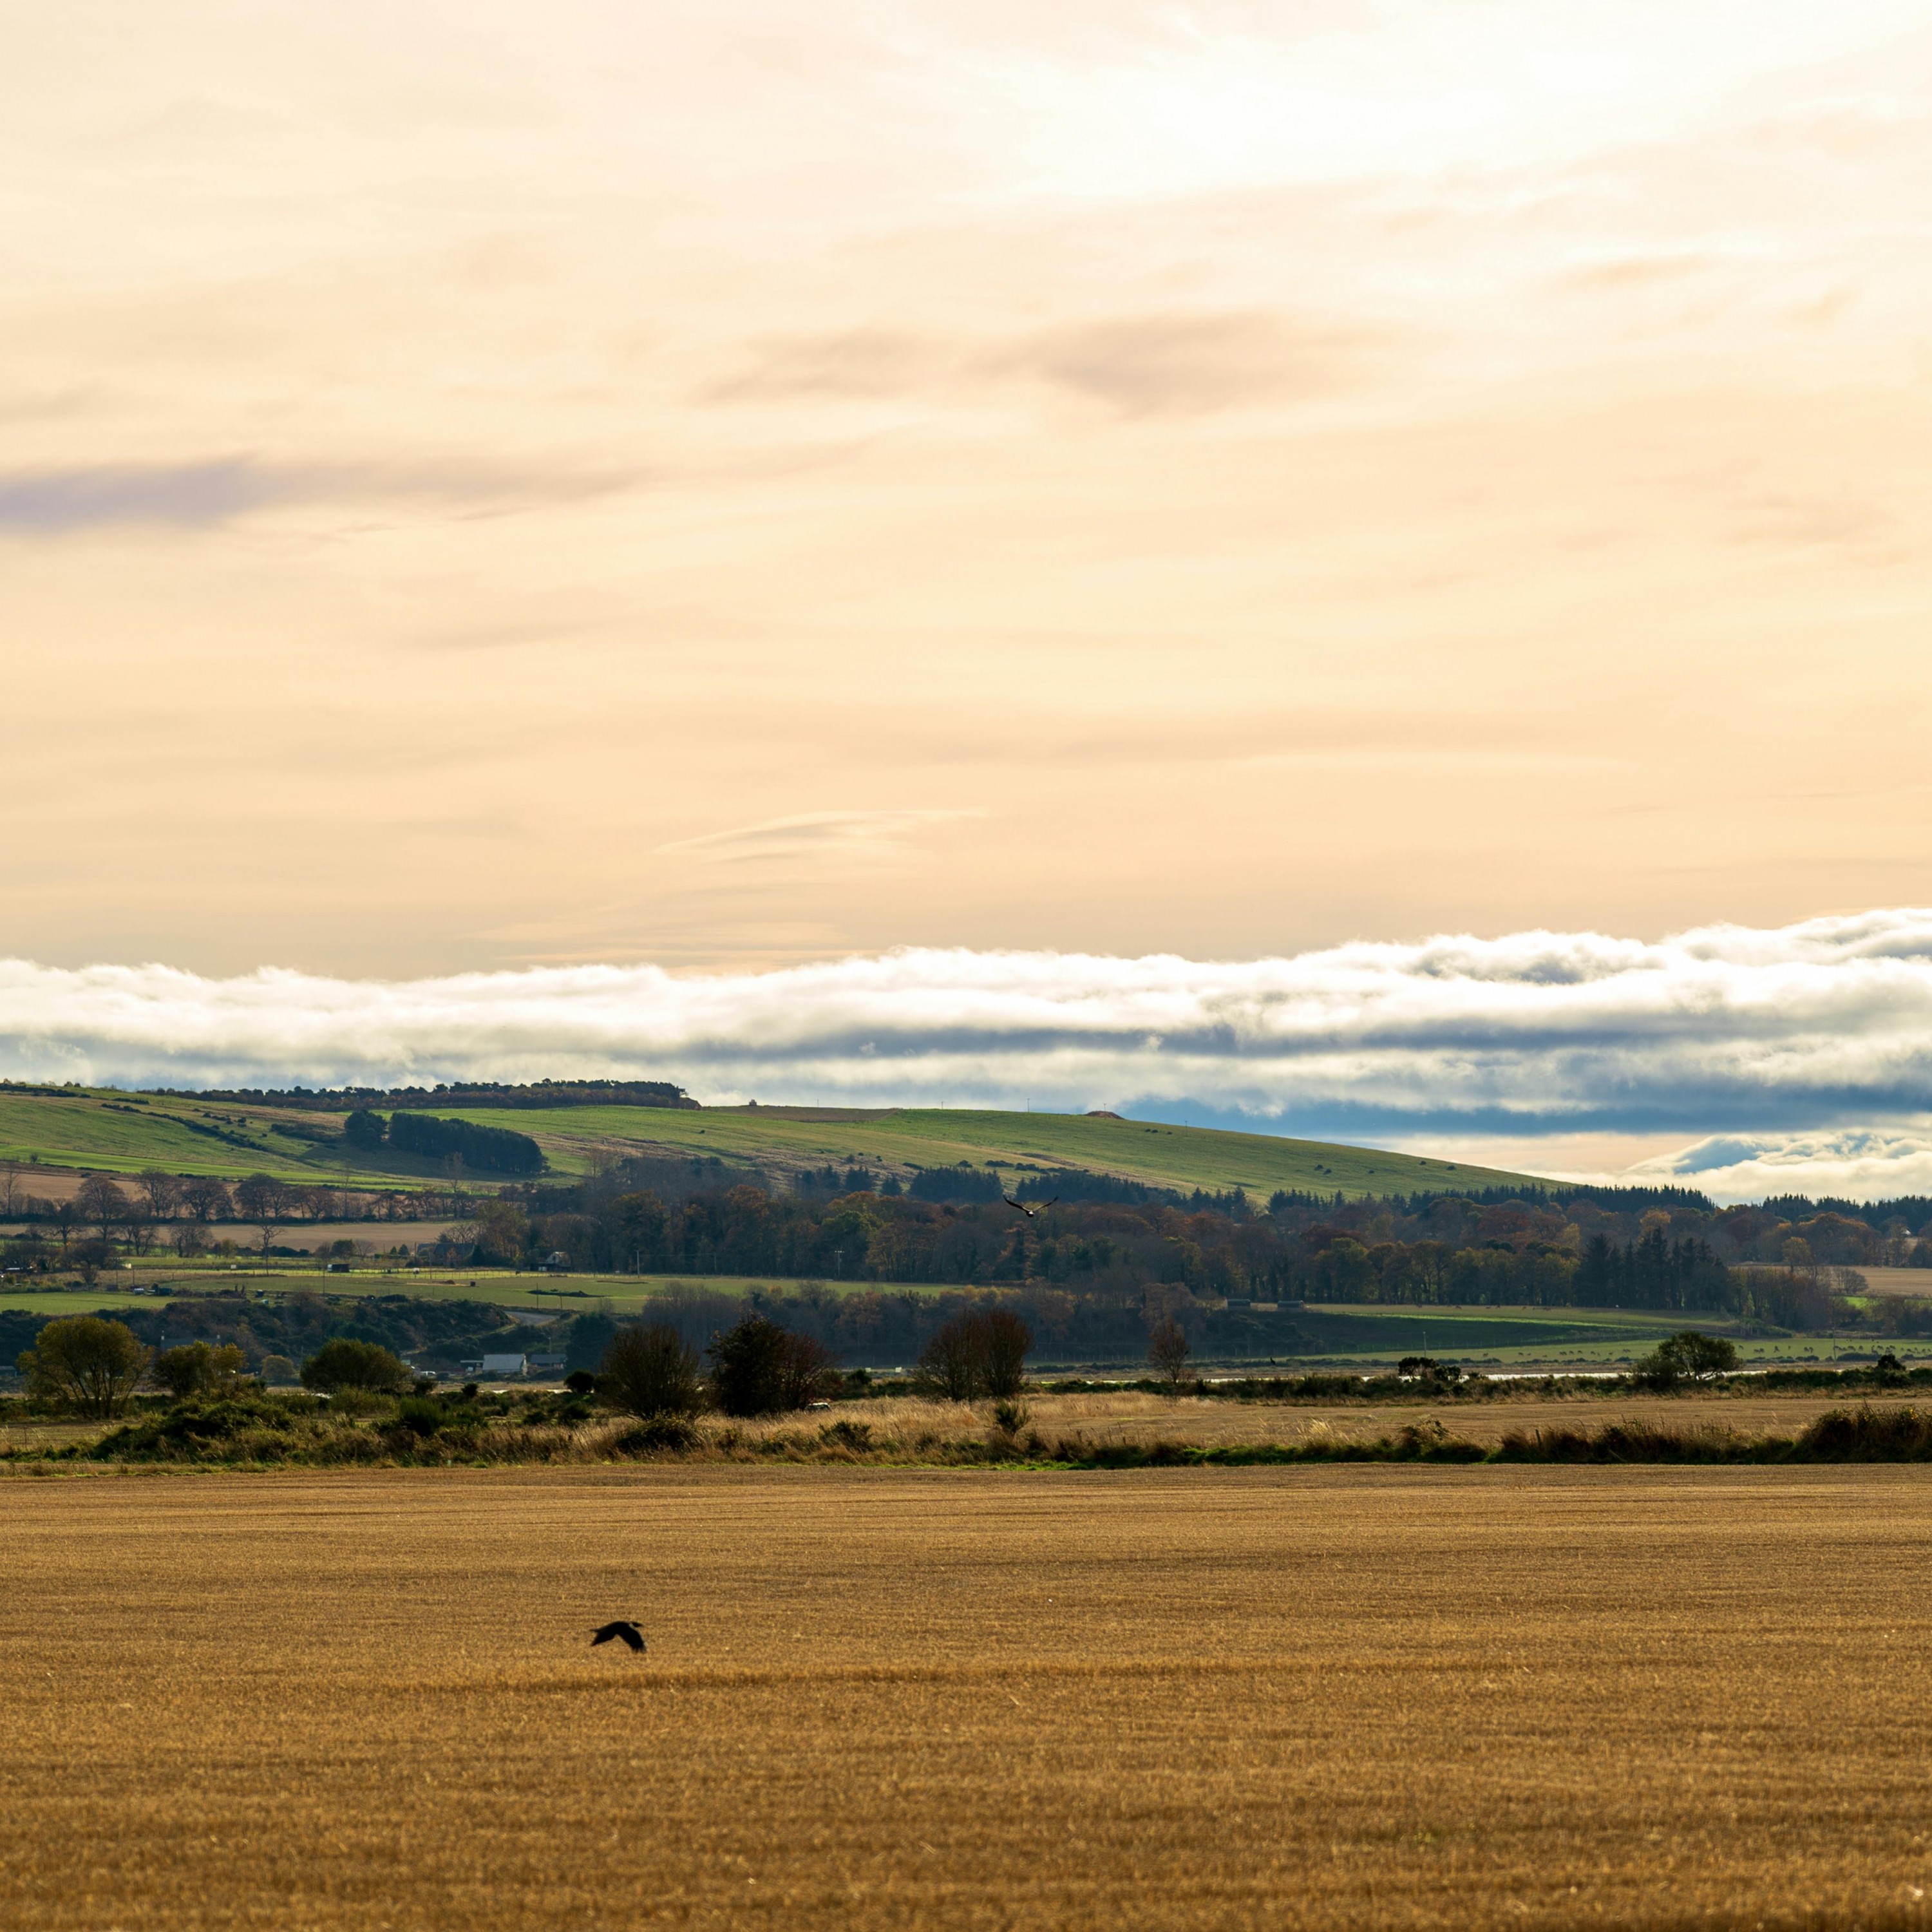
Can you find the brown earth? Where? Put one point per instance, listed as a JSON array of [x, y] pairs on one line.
[[1915, 1283], [1360, 1697]]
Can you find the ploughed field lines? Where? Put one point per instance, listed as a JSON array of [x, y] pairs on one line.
[[1336, 1697]]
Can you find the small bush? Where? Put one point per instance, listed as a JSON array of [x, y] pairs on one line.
[[1868, 1434], [847, 1434], [351, 1402], [656, 1434], [419, 1416], [1010, 1417]]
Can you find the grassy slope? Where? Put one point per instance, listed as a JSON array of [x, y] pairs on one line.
[[1168, 1156], [123, 1133]]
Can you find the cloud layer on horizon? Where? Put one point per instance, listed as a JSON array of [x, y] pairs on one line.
[[1782, 1052]]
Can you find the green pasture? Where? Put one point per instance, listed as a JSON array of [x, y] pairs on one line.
[[103, 1129], [107, 1132], [564, 1294], [1582, 1338]]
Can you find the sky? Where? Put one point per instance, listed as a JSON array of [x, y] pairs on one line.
[[740, 491]]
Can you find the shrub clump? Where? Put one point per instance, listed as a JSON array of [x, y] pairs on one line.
[[347, 1363], [650, 1371], [197, 1368], [759, 1368], [237, 1428], [656, 1435]]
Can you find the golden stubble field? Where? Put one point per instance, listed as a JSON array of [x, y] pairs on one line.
[[1353, 1697]]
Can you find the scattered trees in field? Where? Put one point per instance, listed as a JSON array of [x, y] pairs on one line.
[[346, 1363], [86, 1363], [650, 1370]]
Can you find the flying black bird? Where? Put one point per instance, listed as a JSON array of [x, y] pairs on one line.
[[623, 1630], [1028, 1212]]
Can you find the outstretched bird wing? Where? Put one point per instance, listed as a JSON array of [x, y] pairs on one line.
[[625, 1631]]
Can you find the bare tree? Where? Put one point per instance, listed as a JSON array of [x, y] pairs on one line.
[[979, 1351], [99, 1201], [1168, 1351], [139, 1221], [163, 1193], [263, 1200], [206, 1199]]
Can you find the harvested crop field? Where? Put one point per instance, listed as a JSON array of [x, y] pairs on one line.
[[1363, 1696]]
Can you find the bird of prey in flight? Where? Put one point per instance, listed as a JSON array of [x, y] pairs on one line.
[[1028, 1212], [623, 1630]]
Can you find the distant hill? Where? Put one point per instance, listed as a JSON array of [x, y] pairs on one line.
[[904, 1142], [464, 1093], [300, 1138]]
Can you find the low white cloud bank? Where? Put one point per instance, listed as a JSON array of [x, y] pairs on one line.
[[1856, 1164], [1788, 1054]]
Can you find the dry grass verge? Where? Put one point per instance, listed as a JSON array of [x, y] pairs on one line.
[[1078, 1431]]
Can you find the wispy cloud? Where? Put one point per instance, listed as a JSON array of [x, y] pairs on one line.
[[1769, 1035], [1162, 362], [815, 835], [53, 500], [1186, 364]]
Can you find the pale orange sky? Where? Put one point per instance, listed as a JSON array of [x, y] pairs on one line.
[[730, 484]]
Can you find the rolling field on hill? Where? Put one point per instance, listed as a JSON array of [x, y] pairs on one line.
[[902, 1139], [101, 1128]]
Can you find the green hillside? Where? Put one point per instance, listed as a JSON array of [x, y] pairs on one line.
[[101, 1128], [794, 1138]]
